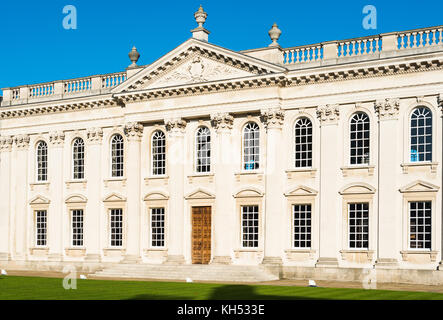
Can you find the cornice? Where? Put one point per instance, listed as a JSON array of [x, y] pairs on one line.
[[259, 81]]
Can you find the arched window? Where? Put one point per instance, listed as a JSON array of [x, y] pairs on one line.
[[78, 159], [421, 135], [359, 138], [42, 161], [303, 143], [203, 150], [251, 146], [117, 158], [158, 153]]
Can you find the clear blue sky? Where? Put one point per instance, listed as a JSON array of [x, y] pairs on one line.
[[34, 46]]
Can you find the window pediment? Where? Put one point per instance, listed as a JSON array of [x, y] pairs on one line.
[[76, 198], [250, 192], [357, 188], [114, 197], [200, 194], [301, 191], [156, 195], [39, 200], [419, 186]]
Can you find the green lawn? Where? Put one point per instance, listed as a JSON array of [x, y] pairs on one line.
[[12, 287]]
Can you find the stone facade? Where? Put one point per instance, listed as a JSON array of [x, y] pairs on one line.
[[200, 85]]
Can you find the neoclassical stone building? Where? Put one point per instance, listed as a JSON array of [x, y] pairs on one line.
[[320, 161]]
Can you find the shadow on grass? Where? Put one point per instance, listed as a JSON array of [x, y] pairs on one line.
[[227, 292]]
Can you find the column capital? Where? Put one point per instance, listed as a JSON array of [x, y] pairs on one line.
[[21, 141], [273, 118], [5, 143], [440, 101], [175, 126], [133, 130], [57, 138], [94, 135], [328, 114], [222, 121], [387, 108]]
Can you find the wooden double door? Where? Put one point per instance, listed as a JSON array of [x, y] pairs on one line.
[[201, 235]]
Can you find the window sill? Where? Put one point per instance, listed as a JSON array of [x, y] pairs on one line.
[[295, 171], [248, 172], [419, 165], [163, 178], [44, 184], [209, 176], [39, 251], [117, 251], [75, 251], [121, 180], [81, 182], [358, 168], [354, 254], [410, 254]]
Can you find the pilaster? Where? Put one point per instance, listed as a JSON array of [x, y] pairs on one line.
[[5, 194], [224, 215], [329, 116], [19, 197], [133, 132], [93, 214], [176, 130], [389, 211], [55, 212], [273, 119]]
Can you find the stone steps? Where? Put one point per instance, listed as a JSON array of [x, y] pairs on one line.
[[225, 273]]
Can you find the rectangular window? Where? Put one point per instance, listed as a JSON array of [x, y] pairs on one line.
[[302, 225], [358, 225], [116, 227], [158, 227], [250, 226], [40, 228], [77, 228], [420, 224]]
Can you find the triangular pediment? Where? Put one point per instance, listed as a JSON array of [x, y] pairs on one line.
[[419, 186], [196, 62], [114, 197], [39, 200], [357, 188], [200, 194], [301, 191]]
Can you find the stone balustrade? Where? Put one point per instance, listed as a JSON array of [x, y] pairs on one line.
[[364, 46], [60, 89]]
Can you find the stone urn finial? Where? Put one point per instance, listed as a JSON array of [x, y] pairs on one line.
[[200, 32], [200, 16], [274, 33], [133, 56]]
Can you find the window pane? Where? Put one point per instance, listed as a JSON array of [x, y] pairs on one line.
[[303, 143], [117, 148], [302, 217], [158, 153], [420, 224], [358, 221], [359, 139], [203, 150], [250, 226], [251, 146], [421, 135]]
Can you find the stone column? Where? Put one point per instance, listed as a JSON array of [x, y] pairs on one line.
[[93, 206], [56, 210], [274, 193], [329, 170], [389, 213], [175, 155], [224, 215], [5, 194], [19, 196], [133, 132]]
